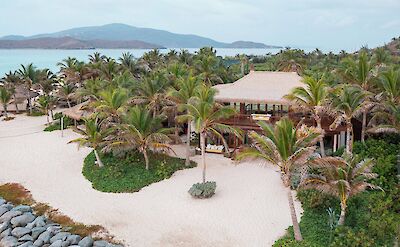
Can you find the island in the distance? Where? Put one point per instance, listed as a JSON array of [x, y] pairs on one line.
[[118, 36]]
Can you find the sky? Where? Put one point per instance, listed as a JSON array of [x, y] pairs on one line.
[[325, 24]]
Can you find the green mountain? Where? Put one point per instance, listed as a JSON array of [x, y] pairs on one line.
[[122, 32]]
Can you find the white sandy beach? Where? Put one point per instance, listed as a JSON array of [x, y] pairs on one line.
[[250, 207]]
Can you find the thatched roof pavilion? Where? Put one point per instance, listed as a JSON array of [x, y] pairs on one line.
[[259, 87], [77, 112]]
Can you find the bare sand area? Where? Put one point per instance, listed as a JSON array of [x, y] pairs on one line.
[[250, 207]]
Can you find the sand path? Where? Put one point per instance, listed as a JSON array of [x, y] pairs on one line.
[[249, 209]]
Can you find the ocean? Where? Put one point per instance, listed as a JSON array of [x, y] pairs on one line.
[[11, 60]]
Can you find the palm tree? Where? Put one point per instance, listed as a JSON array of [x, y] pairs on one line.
[[387, 120], [143, 132], [29, 76], [111, 104], [312, 99], [206, 67], [286, 147], [96, 57], [188, 88], [11, 81], [5, 98], [94, 136], [66, 91], [206, 114], [342, 177], [46, 102], [390, 85], [348, 103], [360, 73]]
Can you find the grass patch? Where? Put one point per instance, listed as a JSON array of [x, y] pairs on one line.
[[56, 125], [129, 174], [35, 113], [17, 194]]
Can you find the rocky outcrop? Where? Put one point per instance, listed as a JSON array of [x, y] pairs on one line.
[[19, 226]]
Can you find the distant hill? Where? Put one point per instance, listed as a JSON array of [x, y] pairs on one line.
[[72, 43], [122, 32]]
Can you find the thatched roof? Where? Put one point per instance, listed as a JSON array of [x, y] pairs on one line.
[[77, 112], [259, 87]]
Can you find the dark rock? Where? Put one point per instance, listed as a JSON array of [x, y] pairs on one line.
[[60, 236], [5, 233], [100, 243], [3, 210], [9, 215], [86, 242], [25, 238], [9, 241], [38, 242], [22, 220], [20, 231], [22, 208], [4, 226], [45, 236], [36, 231], [74, 239], [26, 244], [57, 243]]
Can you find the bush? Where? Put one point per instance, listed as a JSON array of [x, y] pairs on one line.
[[56, 125], [347, 237], [203, 190], [35, 113], [128, 174]]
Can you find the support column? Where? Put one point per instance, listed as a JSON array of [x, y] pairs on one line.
[[334, 143]]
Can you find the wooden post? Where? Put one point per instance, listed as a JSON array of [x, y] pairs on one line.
[[62, 126], [334, 143], [258, 108], [273, 110], [242, 108]]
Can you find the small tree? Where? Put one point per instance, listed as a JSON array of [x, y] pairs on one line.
[[342, 177], [141, 131], [286, 147], [5, 98], [94, 136]]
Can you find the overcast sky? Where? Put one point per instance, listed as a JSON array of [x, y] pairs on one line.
[[327, 24]]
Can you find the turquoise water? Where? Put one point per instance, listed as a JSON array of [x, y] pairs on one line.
[[12, 59]]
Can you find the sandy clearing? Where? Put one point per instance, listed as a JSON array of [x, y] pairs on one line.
[[249, 209]]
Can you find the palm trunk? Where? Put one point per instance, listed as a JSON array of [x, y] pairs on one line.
[[69, 103], [321, 139], [348, 138], [203, 154], [187, 163], [364, 125], [99, 162], [296, 227], [30, 105], [47, 116], [5, 109], [342, 213], [146, 159], [16, 105]]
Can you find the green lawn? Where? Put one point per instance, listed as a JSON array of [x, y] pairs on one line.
[[129, 174]]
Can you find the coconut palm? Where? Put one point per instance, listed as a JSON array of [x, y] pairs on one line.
[[5, 98], [287, 147], [29, 76], [94, 136], [111, 104], [206, 114], [187, 88], [342, 177], [11, 81], [312, 99], [141, 131], [390, 85], [207, 67], [66, 91], [96, 57], [44, 105], [386, 120], [348, 102], [361, 73]]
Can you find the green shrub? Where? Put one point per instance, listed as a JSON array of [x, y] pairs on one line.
[[56, 125], [128, 174], [203, 190], [35, 113], [348, 237]]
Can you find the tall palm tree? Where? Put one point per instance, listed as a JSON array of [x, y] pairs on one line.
[[96, 57], [5, 98], [312, 99], [390, 85], [94, 136], [287, 147], [187, 88], [342, 177], [29, 75], [111, 104], [361, 73], [206, 67], [141, 131], [348, 103], [206, 116], [11, 81], [386, 120]]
